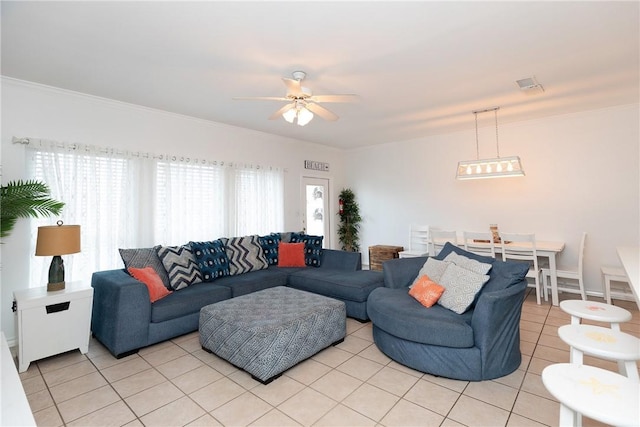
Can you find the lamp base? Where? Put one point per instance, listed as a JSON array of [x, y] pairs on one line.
[[56, 275], [58, 286]]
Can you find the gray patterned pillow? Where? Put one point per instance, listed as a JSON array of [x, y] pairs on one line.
[[433, 268], [180, 264], [468, 263], [245, 254], [145, 257], [461, 286]]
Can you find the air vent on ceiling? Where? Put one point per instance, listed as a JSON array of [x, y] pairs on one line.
[[530, 86]]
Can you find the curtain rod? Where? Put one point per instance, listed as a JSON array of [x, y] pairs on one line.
[[166, 157]]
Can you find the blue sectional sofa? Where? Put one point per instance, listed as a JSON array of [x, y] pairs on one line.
[[480, 344], [125, 320]]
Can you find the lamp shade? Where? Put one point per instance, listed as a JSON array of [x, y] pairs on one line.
[[58, 240]]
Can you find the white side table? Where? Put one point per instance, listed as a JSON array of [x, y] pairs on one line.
[[604, 343], [50, 323], [596, 393], [597, 311]]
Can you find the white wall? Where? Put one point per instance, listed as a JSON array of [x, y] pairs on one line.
[[36, 111], [582, 174]]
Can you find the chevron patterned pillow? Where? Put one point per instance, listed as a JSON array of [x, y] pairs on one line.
[[245, 254], [180, 264]]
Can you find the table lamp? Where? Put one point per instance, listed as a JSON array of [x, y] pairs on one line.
[[57, 240]]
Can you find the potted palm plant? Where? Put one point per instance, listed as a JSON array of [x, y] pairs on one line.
[[25, 199], [350, 219]]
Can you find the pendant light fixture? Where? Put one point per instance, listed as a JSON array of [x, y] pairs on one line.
[[498, 167]]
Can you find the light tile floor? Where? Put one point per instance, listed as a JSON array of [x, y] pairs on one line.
[[176, 383]]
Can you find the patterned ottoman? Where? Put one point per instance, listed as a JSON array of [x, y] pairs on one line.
[[269, 331]]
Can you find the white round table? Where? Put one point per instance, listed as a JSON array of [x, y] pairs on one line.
[[593, 392], [605, 343], [593, 310]]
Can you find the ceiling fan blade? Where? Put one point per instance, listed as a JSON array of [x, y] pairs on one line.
[[281, 111], [321, 111], [334, 98], [293, 86], [260, 98]]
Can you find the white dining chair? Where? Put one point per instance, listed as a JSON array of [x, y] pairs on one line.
[[522, 247], [569, 279], [479, 243], [418, 242], [440, 237]]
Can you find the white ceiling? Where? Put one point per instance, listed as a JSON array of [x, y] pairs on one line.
[[419, 68]]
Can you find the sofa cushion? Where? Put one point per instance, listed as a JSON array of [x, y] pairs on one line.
[[285, 236], [461, 287], [187, 301], [344, 285], [245, 254], [505, 274], [312, 247], [254, 281], [433, 268], [211, 258], [397, 313], [291, 255], [180, 264], [145, 257], [152, 281], [269, 246], [449, 247], [468, 263], [426, 291]]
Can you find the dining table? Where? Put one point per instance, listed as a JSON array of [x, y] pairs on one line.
[[630, 258]]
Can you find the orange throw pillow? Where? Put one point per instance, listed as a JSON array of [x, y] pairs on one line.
[[149, 277], [426, 291], [291, 254]]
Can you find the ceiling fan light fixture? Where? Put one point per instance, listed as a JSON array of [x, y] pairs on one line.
[[289, 115], [304, 116]]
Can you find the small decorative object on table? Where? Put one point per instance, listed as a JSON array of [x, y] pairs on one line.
[[495, 232]]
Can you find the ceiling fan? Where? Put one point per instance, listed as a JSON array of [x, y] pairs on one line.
[[302, 104]]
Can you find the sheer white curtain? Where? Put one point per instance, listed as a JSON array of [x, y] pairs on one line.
[[256, 200], [190, 201], [128, 200], [95, 187]]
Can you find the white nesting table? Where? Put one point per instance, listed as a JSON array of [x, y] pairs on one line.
[[604, 343], [596, 393], [597, 311]]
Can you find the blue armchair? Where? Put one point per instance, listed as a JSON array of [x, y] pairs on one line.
[[482, 343]]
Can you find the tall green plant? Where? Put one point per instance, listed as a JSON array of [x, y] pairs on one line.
[[25, 199], [350, 219]]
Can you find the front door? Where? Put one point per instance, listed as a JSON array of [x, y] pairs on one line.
[[316, 215]]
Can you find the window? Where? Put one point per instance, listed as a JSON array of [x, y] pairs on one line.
[[189, 203], [125, 200]]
